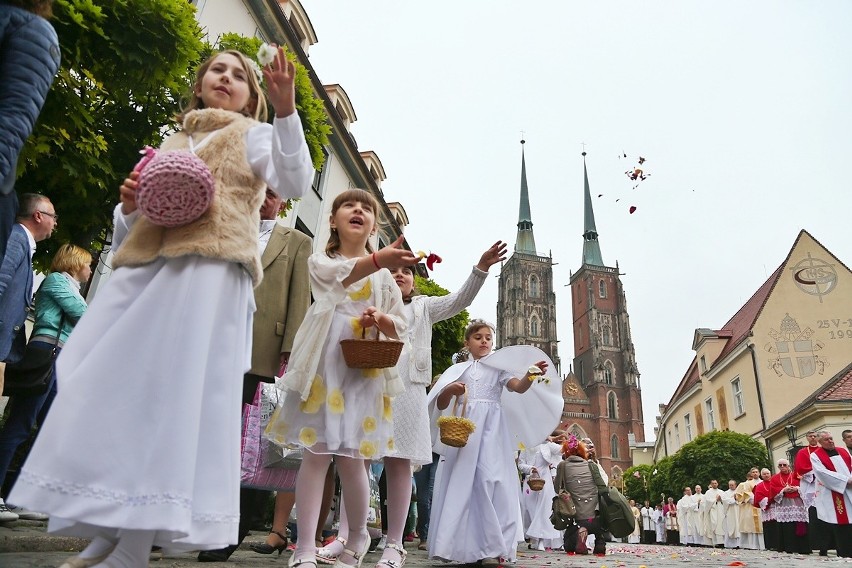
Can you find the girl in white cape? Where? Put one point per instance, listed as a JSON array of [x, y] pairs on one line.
[[476, 513]]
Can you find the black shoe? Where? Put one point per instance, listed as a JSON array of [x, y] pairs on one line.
[[220, 555], [823, 553], [264, 548]]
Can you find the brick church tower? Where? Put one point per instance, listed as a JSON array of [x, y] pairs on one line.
[[526, 304], [602, 396]]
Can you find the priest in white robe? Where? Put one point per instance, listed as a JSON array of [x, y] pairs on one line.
[[714, 516], [685, 508], [831, 481], [732, 516]]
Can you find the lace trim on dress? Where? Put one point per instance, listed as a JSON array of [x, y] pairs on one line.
[[64, 487]]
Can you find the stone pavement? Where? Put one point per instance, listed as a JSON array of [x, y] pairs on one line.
[[26, 545]]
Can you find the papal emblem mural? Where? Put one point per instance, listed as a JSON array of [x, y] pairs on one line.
[[795, 351]]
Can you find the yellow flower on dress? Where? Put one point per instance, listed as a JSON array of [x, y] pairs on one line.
[[335, 401], [363, 293], [391, 445], [370, 373], [521, 446], [307, 437], [387, 403], [357, 328], [367, 449], [316, 398], [369, 424], [277, 429]]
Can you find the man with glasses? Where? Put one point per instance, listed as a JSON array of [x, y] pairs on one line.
[[36, 221], [790, 511]]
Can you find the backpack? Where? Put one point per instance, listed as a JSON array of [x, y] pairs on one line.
[[615, 513]]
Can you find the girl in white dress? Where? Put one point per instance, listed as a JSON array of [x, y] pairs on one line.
[[543, 463], [410, 417], [476, 513], [142, 444], [329, 408]]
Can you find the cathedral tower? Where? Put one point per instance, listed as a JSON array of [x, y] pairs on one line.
[[602, 396], [526, 304]]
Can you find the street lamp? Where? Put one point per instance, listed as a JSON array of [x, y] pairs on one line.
[[791, 435]]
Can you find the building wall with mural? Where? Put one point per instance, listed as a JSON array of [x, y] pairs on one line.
[[790, 341]]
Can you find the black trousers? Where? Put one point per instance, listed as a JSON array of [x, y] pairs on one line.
[[789, 541], [593, 526], [843, 537], [820, 533], [649, 536], [770, 535]]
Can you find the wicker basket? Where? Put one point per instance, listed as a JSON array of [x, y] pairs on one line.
[[456, 429], [371, 353], [535, 482]]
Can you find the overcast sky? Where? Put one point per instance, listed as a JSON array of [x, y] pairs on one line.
[[741, 110]]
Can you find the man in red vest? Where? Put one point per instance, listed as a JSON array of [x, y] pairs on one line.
[[831, 480]]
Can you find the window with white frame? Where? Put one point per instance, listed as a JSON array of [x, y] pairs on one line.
[[677, 436], [737, 390], [711, 417], [687, 427], [703, 364]]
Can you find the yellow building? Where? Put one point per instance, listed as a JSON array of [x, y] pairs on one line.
[[783, 359]]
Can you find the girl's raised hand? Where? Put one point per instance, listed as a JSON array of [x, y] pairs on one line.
[[454, 389], [394, 256], [127, 192], [495, 254], [280, 78]]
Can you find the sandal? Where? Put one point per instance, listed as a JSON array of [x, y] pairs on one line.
[[327, 555], [359, 557], [393, 563], [264, 548]]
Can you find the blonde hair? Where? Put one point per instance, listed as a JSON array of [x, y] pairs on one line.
[[256, 95], [355, 194], [71, 259]]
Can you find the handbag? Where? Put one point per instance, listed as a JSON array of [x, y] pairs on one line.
[[616, 515], [32, 374], [563, 510], [254, 448]]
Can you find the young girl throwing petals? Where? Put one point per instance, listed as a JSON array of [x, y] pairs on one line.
[[329, 408], [411, 419], [142, 443], [476, 514]]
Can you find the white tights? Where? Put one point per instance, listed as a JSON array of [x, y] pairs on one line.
[[132, 551], [355, 490]]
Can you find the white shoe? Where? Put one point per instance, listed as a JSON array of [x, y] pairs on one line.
[[6, 515], [382, 542], [27, 515]]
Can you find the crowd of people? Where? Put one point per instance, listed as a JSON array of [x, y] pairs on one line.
[[199, 316]]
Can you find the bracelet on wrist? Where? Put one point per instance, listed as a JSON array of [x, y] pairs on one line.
[[373, 256]]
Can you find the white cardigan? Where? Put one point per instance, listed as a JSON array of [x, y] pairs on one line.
[[429, 310]]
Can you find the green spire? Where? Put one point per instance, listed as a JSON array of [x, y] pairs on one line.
[[525, 242], [591, 247]]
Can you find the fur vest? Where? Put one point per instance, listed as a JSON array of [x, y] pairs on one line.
[[228, 229]]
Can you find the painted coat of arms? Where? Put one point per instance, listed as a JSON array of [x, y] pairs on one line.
[[795, 351]]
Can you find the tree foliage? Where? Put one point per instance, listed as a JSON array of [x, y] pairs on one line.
[[660, 482], [637, 482], [126, 65], [716, 455], [447, 335]]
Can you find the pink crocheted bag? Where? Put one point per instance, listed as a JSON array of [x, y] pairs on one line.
[[175, 187]]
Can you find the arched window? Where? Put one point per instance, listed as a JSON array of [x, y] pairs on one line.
[[607, 335], [614, 442], [611, 405], [534, 326], [608, 373], [535, 288], [602, 289]]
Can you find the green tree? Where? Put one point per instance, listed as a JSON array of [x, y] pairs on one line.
[[637, 483], [447, 335], [123, 67], [660, 482], [716, 455]]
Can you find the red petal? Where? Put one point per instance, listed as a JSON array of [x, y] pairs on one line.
[[632, 209], [431, 260]]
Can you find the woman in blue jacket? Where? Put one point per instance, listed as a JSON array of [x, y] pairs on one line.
[[58, 301]]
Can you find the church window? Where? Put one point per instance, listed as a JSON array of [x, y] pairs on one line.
[[611, 405], [534, 326], [602, 289], [607, 335], [614, 443], [608, 373], [580, 373], [737, 391], [535, 287]]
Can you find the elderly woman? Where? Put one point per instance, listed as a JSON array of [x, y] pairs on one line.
[[574, 476]]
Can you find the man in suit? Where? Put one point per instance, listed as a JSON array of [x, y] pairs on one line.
[[282, 299], [36, 221]]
